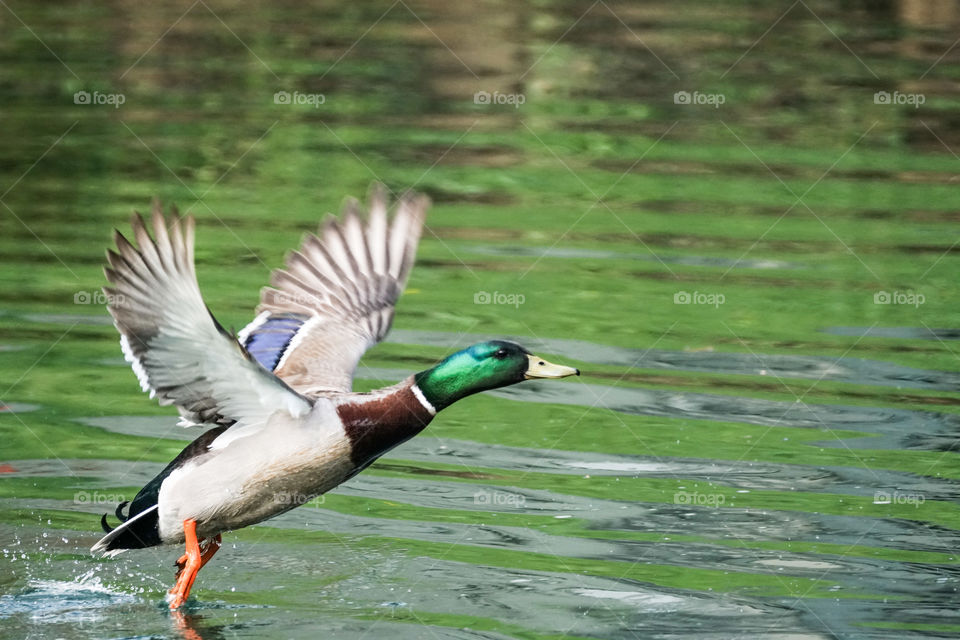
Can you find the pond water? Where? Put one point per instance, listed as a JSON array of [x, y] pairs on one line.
[[738, 219]]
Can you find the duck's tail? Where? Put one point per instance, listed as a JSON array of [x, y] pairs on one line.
[[119, 513], [134, 532]]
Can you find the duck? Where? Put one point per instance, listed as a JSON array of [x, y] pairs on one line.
[[281, 421]]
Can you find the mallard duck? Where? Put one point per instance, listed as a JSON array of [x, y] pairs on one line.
[[283, 423]]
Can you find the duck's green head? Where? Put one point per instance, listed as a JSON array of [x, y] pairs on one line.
[[483, 366]]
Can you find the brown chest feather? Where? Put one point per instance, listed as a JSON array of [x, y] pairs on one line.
[[376, 425]]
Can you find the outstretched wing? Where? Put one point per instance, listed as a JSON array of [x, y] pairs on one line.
[[335, 298], [179, 352]]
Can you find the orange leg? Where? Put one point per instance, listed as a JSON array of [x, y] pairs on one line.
[[191, 562], [208, 547]]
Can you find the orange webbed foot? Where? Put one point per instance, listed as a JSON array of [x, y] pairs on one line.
[[208, 547], [191, 562]]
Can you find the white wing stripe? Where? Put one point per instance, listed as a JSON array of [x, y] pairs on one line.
[[136, 365], [255, 324], [298, 337]]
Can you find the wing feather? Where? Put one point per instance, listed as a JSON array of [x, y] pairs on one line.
[[178, 350], [345, 283]]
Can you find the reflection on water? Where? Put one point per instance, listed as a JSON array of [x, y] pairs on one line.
[[781, 464]]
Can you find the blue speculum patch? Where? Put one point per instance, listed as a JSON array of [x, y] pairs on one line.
[[268, 342]]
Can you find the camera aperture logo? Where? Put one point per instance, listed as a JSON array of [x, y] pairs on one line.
[[699, 297], [97, 98], [498, 297], [312, 99], [913, 99], [697, 98], [911, 298], [485, 97]]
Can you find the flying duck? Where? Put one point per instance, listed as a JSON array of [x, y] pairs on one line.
[[283, 424]]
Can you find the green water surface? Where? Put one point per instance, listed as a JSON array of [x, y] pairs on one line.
[[758, 285]]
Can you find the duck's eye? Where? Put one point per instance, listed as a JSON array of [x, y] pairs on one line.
[[500, 354]]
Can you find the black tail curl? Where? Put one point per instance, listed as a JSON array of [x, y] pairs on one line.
[[119, 513]]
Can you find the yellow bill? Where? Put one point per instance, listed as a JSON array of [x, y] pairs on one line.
[[539, 368]]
